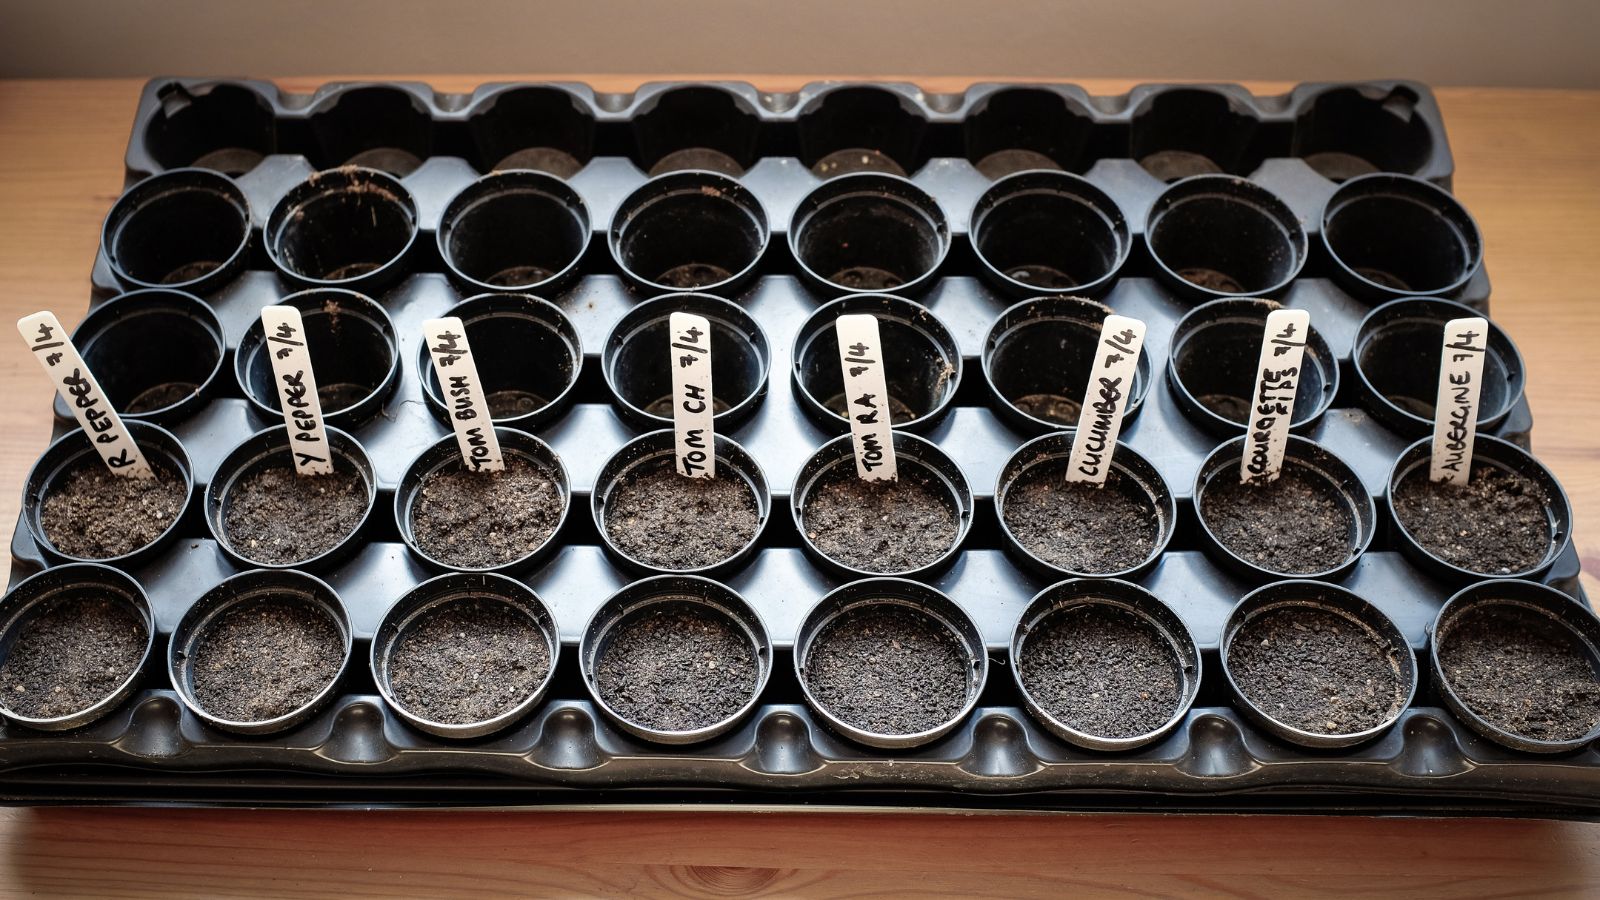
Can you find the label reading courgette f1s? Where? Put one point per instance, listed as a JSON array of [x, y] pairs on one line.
[[1455, 411], [866, 397], [1105, 400], [77, 385], [1278, 369], [465, 403]]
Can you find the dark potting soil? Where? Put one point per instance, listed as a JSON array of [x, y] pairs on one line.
[[509, 403], [1103, 671], [276, 517], [1296, 525], [888, 669], [190, 271], [1495, 523], [666, 520], [1057, 408], [1230, 407], [1079, 527], [662, 406], [1211, 280], [693, 275], [899, 411], [520, 276], [1316, 670], [677, 666], [1042, 277], [345, 394], [468, 660], [94, 514], [880, 526], [1520, 671], [478, 520], [866, 278], [71, 656], [265, 658], [160, 396]]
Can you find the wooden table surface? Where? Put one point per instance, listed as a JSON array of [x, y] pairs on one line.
[[1528, 167]]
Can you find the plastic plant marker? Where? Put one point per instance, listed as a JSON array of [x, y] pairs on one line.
[[1105, 400], [78, 387], [466, 404], [1455, 420], [1283, 350], [297, 390], [866, 397], [689, 337]]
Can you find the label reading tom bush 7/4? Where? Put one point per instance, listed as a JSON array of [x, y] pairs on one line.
[[465, 403]]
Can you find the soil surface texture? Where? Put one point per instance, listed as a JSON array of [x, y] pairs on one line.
[[1494, 524], [1522, 672], [888, 669], [677, 666], [665, 520], [1056, 408], [1297, 525], [71, 656], [479, 520], [882, 527], [1103, 671], [468, 660], [1079, 527], [1316, 670], [265, 658], [276, 517], [95, 514], [160, 396]]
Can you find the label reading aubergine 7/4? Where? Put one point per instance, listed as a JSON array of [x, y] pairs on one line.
[[689, 337], [1455, 411], [1105, 400], [77, 385], [297, 390], [1278, 367], [866, 397], [465, 403]]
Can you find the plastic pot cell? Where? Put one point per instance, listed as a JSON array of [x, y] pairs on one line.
[[922, 363], [1347, 132], [1049, 232], [869, 231], [1019, 129], [1179, 132], [528, 357], [697, 127], [224, 127], [637, 360], [861, 129], [379, 127], [546, 129], [352, 345], [689, 230], [157, 354], [349, 227], [1038, 359], [185, 228], [1218, 235], [511, 231], [1397, 236]]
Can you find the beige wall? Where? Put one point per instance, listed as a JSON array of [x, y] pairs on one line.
[[1527, 42]]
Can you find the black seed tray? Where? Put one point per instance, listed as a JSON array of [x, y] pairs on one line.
[[357, 751]]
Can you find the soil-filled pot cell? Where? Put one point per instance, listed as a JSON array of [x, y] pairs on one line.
[[881, 526], [264, 658], [869, 232], [1049, 231], [685, 231], [276, 517], [1520, 671], [1297, 525], [342, 225], [1219, 235], [513, 230], [72, 653], [888, 668], [187, 227], [668, 521], [481, 520], [677, 666], [93, 513], [1103, 671], [467, 660], [1078, 527], [1496, 524]]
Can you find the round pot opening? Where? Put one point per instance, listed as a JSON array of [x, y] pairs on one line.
[[921, 362], [687, 231], [1017, 129], [1347, 132], [1181, 132], [186, 228], [528, 357], [1046, 232], [347, 227], [352, 344], [869, 232], [1393, 236], [1212, 367], [866, 128], [518, 230], [156, 353], [543, 128], [1217, 236], [637, 360], [699, 127], [1039, 356]]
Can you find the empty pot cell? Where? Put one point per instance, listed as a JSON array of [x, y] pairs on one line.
[[453, 517], [188, 228], [263, 513], [514, 230], [861, 129], [1219, 235], [342, 226], [1393, 235], [77, 509], [1517, 662], [655, 519], [156, 353], [1181, 132], [1398, 347], [383, 128], [1018, 129], [1317, 665], [1315, 520], [260, 652], [706, 128], [638, 359], [75, 638], [689, 231], [351, 342], [224, 127], [527, 354], [1511, 518], [921, 362], [1352, 131], [1212, 368], [1049, 231], [890, 663], [869, 232], [1038, 358], [1104, 664], [464, 655], [542, 128]]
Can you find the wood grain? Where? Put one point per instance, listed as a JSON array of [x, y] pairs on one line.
[[1528, 166]]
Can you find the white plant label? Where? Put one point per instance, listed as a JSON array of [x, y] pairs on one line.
[[1455, 411], [297, 390], [54, 351], [1266, 436], [690, 339], [465, 402], [866, 397], [1105, 400]]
